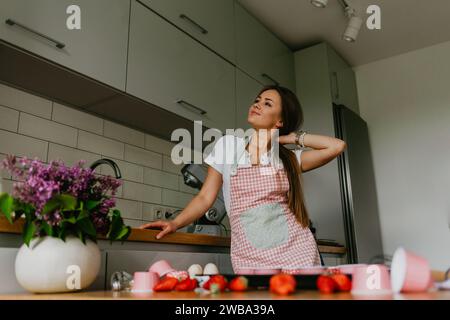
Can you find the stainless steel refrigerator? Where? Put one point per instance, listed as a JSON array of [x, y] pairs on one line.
[[358, 191]]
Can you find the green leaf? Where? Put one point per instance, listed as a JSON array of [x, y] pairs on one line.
[[87, 226], [6, 205], [68, 202], [81, 236], [28, 231], [92, 204], [83, 215], [71, 219], [47, 229], [62, 201], [124, 233]]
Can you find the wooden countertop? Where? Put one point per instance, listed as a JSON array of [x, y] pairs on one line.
[[249, 295], [174, 238]]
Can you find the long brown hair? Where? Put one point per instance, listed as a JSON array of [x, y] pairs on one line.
[[292, 117]]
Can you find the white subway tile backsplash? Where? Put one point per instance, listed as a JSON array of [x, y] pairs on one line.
[[97, 144], [169, 166], [143, 157], [129, 209], [47, 130], [23, 101], [9, 119], [128, 170], [124, 134], [77, 119], [158, 145], [6, 185], [141, 192], [22, 146], [50, 131], [133, 223], [160, 178], [70, 156], [175, 198]]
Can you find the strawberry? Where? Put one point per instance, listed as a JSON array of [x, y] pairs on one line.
[[216, 283], [343, 282], [186, 285], [326, 284], [238, 284], [166, 284], [282, 284]]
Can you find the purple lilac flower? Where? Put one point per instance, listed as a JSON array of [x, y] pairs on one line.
[[39, 182]]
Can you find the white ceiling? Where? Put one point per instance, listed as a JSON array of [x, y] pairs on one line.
[[406, 25]]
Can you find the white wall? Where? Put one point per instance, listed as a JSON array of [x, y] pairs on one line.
[[405, 100]]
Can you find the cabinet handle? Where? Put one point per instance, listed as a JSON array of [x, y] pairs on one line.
[[11, 22], [202, 30], [265, 75], [336, 84], [184, 103]]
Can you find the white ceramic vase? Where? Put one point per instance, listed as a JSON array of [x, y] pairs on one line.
[[50, 265]]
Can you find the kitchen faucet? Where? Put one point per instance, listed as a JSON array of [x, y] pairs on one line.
[[110, 163]]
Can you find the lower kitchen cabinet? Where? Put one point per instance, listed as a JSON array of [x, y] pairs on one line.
[[167, 68]]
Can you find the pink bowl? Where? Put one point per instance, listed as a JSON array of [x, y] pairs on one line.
[[410, 272], [371, 279], [161, 267], [144, 281]]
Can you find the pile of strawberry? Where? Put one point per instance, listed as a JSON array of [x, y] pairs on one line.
[[333, 282], [281, 284], [216, 283]]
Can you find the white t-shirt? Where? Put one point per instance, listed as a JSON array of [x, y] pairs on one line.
[[229, 147]]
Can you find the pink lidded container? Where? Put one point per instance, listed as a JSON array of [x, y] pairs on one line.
[[161, 267]]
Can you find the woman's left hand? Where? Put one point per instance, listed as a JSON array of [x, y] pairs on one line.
[[287, 139]]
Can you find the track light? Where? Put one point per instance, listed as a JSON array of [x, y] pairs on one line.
[[319, 3], [353, 26], [352, 30]]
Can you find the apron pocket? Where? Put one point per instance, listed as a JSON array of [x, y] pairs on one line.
[[265, 226]]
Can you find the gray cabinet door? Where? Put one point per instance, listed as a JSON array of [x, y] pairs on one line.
[[260, 53], [210, 22], [247, 89], [98, 49], [169, 69], [342, 81]]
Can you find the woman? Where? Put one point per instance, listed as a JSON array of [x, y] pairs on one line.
[[262, 190]]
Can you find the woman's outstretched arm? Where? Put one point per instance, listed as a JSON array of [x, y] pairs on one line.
[[196, 208]]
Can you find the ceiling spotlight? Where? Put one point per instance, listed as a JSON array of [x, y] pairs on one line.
[[319, 3], [354, 24]]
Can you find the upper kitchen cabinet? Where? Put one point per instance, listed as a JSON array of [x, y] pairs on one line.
[[97, 49], [246, 91], [342, 81], [260, 53], [210, 22], [167, 68]]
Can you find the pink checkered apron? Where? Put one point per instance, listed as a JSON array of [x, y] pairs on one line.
[[264, 232]]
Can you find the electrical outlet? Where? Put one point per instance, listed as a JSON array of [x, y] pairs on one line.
[[158, 213]]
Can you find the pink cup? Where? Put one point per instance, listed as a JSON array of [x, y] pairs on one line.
[[144, 281], [409, 272], [371, 279], [161, 267]]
